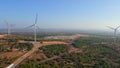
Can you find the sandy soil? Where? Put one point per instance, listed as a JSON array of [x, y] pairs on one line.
[[53, 42], [2, 36], [10, 54], [67, 37]]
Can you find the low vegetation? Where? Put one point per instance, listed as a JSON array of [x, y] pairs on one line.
[[52, 50], [22, 46], [96, 53], [9, 47]]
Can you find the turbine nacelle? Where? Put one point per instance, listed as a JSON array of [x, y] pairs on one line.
[[35, 27], [113, 28], [115, 31]]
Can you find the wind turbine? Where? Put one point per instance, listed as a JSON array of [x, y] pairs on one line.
[[35, 27], [8, 28], [115, 31]]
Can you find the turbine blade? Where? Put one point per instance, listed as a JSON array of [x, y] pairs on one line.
[[117, 27], [30, 26], [111, 27], [36, 18], [9, 24]]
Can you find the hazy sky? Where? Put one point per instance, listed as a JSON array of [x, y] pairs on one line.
[[64, 14]]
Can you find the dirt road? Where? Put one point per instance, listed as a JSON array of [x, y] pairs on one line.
[[34, 49], [26, 55]]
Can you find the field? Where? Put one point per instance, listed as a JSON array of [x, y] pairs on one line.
[[90, 52], [67, 51], [16, 45]]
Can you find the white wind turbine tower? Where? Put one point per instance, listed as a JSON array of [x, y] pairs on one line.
[[115, 31], [9, 28], [35, 27]]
